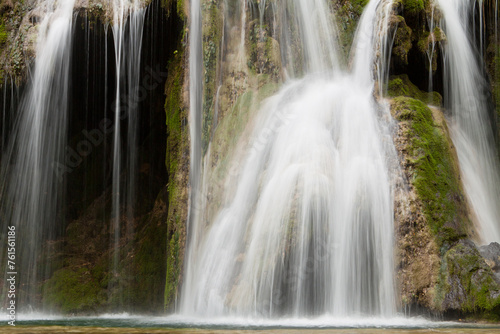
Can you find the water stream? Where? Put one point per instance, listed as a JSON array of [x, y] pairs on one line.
[[128, 18], [472, 122], [31, 189], [309, 228]]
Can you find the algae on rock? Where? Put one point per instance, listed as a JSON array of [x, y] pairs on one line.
[[439, 269], [177, 163]]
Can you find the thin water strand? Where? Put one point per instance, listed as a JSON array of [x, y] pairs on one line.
[[470, 124]]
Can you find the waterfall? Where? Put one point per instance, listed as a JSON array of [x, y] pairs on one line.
[[195, 118], [37, 156], [431, 51], [128, 46], [31, 191], [306, 228], [308, 37], [470, 124]]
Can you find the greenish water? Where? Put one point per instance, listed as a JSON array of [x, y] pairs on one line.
[[184, 325], [91, 330]]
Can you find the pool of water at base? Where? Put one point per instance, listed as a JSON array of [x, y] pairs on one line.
[[125, 323]]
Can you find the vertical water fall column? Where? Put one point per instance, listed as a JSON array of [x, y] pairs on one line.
[[128, 45], [32, 182], [195, 119], [471, 126]]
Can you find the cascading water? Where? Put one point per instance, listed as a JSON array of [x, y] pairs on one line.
[[38, 161], [195, 97], [471, 124], [307, 226], [308, 38], [128, 46], [195, 102], [31, 191], [431, 51]]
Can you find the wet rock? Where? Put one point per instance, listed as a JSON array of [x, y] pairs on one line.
[[468, 284], [491, 254]]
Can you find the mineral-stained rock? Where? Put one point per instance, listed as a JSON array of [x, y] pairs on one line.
[[467, 283], [491, 254]]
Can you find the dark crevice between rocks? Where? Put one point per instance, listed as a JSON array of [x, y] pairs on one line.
[[10, 98]]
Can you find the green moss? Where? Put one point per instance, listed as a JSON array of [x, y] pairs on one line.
[[173, 269], [173, 120], [497, 84], [467, 284], [176, 158], [263, 51], [212, 28], [439, 35], [149, 263], [359, 5], [347, 16], [402, 41], [423, 42], [74, 291], [402, 86], [181, 10], [3, 34], [179, 7], [413, 6], [433, 171]]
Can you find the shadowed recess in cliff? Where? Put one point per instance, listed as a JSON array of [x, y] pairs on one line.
[[59, 189]]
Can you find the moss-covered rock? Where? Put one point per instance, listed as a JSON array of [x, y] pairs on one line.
[[439, 268], [177, 162], [493, 68], [416, 50], [264, 51], [212, 26], [347, 14], [150, 263], [433, 171], [467, 284], [74, 290], [413, 7], [427, 212], [491, 254], [402, 40], [401, 85], [17, 38]]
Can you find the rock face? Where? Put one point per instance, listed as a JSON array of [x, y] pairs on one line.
[[467, 283], [492, 53], [491, 254], [17, 37], [424, 153], [440, 269]]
